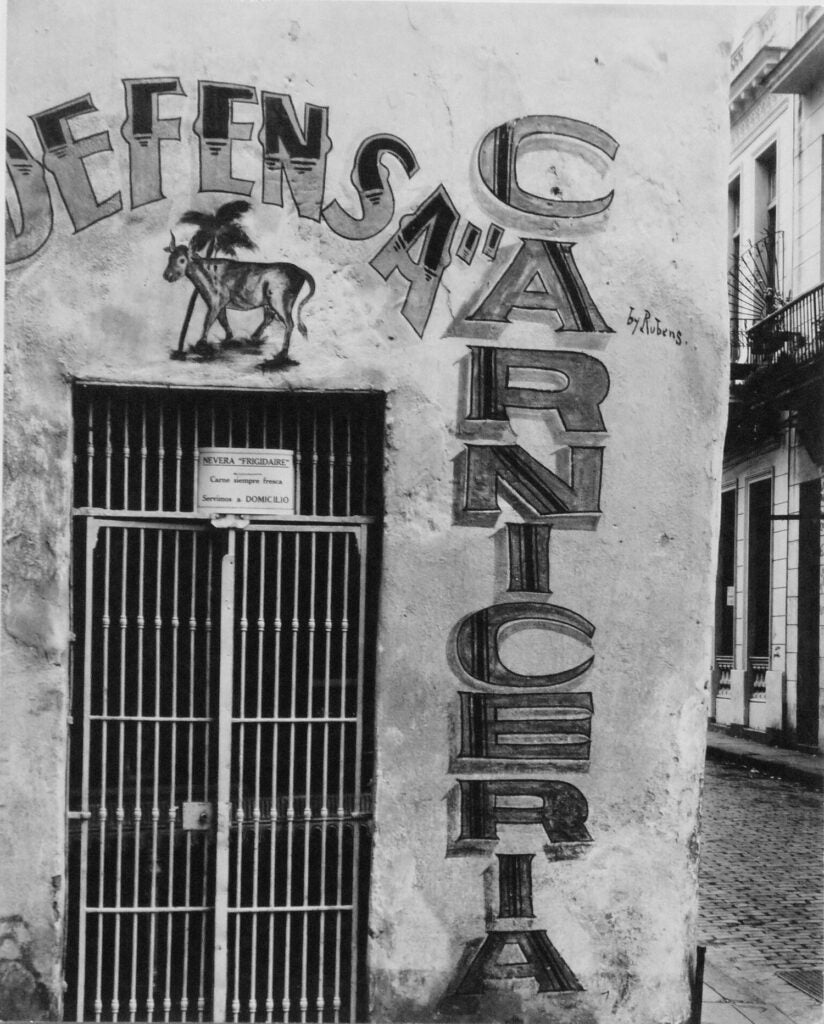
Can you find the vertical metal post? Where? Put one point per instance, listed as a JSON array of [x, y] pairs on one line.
[[184, 999], [307, 810], [207, 780], [172, 810], [137, 816], [109, 452], [224, 771], [286, 1003], [277, 626], [240, 814], [91, 542], [256, 811], [103, 812], [324, 810], [144, 453], [90, 457], [357, 825], [120, 810]]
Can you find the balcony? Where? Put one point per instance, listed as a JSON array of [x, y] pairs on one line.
[[793, 333], [778, 378]]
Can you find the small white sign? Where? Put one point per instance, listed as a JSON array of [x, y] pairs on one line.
[[246, 480]]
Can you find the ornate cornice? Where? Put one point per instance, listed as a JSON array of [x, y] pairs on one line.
[[749, 82], [756, 116]]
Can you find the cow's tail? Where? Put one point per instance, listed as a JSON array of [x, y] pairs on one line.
[[302, 302]]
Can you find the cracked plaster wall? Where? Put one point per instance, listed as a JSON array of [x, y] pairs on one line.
[[93, 305]]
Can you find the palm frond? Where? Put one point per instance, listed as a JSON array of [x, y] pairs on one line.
[[231, 211], [198, 217], [219, 231], [231, 238], [202, 238]]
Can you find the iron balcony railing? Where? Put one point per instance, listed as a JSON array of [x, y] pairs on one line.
[[796, 330]]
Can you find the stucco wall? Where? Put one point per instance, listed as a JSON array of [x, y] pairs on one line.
[[92, 305]]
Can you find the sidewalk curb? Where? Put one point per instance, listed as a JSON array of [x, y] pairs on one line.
[[773, 761]]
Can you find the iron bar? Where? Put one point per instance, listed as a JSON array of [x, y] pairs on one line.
[[256, 813], [105, 622], [276, 668], [224, 773]]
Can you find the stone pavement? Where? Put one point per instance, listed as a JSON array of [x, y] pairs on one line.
[[762, 882]]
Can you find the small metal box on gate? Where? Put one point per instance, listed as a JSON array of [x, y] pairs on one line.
[[198, 815]]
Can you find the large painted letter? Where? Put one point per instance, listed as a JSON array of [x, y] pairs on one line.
[[434, 221], [515, 884], [476, 641], [529, 557], [543, 491], [525, 727], [573, 383], [543, 276], [144, 130], [558, 806], [299, 154], [498, 155], [216, 129], [538, 959], [64, 156], [27, 179], [496, 961], [371, 180]]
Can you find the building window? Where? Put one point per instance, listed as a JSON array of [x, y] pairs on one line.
[[734, 243], [734, 253], [759, 568], [766, 222], [725, 581], [809, 612], [821, 211]]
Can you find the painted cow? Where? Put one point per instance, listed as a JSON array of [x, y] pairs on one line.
[[232, 284]]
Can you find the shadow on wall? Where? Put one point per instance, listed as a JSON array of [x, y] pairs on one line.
[[22, 995]]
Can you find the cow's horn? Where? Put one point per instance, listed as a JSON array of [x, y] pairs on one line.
[[173, 246]]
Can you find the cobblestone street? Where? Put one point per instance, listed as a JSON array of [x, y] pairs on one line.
[[762, 862]]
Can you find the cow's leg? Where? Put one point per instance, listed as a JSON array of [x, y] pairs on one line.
[[288, 326], [223, 320], [203, 347], [269, 315], [284, 313]]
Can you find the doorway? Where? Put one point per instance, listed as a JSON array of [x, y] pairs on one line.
[[221, 757], [809, 612]]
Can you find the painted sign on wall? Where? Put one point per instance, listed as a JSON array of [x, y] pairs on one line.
[[543, 276], [518, 732]]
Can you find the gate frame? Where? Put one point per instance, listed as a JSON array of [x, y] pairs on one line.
[[97, 517]]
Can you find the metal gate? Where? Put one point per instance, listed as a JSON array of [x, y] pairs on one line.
[[220, 782]]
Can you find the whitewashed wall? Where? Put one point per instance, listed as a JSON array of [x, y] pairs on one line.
[[619, 909]]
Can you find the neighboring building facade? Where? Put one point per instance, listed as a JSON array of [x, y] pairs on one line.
[[768, 651], [355, 632]]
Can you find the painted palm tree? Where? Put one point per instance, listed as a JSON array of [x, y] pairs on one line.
[[215, 232]]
